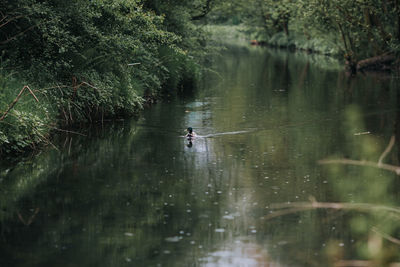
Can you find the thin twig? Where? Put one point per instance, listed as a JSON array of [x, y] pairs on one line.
[[378, 165], [66, 131], [21, 219], [69, 147], [13, 103], [386, 236], [33, 216], [387, 150], [285, 212], [336, 205], [10, 20], [17, 99], [27, 223], [353, 263], [290, 208], [4, 17], [53, 145], [88, 84], [31, 92], [46, 139], [65, 115], [17, 35], [387, 167], [65, 142], [55, 87], [59, 88]]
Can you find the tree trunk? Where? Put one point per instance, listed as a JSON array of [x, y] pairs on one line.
[[396, 7], [398, 21], [285, 26], [343, 38], [376, 63]]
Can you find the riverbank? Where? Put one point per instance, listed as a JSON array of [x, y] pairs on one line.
[[31, 115], [257, 36]]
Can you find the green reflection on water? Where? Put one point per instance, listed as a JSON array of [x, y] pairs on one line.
[[134, 193]]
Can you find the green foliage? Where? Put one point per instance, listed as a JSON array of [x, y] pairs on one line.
[[295, 40], [230, 12], [101, 58], [355, 29], [364, 28]]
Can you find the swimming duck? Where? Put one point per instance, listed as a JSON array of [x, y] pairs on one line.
[[190, 134]]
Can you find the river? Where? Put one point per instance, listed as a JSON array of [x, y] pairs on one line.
[[248, 191]]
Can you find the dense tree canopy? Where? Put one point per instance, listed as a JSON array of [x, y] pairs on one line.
[[359, 29]]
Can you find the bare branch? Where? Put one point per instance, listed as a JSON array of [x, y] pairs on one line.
[[8, 21], [336, 205], [290, 208], [88, 84], [30, 220], [379, 165], [284, 212], [353, 263], [66, 131], [386, 236], [387, 150], [17, 99], [3, 18], [31, 92], [387, 167], [17, 35]]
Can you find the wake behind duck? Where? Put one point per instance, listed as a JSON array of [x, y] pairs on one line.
[[191, 134]]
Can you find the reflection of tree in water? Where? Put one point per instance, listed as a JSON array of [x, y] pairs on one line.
[[285, 81], [105, 204]]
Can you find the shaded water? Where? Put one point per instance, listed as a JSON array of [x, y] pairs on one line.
[[137, 194]]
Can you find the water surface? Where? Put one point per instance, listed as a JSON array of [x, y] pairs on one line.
[[136, 193]]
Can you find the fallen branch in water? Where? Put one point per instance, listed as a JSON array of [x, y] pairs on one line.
[[17, 99], [377, 62], [379, 164]]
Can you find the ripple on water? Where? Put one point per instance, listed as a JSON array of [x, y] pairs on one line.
[[173, 239], [228, 217]]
